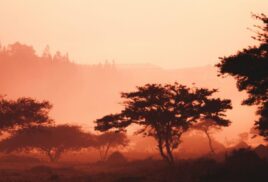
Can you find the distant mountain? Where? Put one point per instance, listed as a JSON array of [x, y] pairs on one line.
[[137, 66]]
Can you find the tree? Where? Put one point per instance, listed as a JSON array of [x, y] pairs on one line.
[[51, 140], [23, 112], [108, 140], [207, 126], [18, 50], [250, 68], [165, 112]]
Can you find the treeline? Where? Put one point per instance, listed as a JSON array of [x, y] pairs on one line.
[[29, 128], [14, 52]]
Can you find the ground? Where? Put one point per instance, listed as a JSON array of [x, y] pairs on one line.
[[243, 165]]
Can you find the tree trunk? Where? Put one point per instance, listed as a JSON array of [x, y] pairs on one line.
[[210, 143], [162, 153], [106, 151], [54, 156], [101, 155], [50, 156], [58, 153], [169, 152]]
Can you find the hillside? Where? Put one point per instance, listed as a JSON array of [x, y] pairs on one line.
[[82, 93]]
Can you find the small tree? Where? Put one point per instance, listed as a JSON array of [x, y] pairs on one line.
[[51, 140], [108, 140], [250, 68], [165, 112], [23, 112], [207, 126], [212, 117]]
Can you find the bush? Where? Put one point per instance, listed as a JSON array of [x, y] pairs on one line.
[[243, 158], [116, 158]]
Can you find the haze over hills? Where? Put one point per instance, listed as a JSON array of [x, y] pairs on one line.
[[82, 93]]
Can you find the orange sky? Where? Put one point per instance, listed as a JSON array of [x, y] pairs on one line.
[[173, 33]]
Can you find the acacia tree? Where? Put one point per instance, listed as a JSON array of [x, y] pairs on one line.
[[50, 140], [108, 140], [207, 126], [23, 112], [165, 112], [212, 117], [250, 68]]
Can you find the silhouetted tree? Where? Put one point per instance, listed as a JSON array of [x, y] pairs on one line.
[[165, 112], [250, 68], [18, 50], [208, 126], [108, 140], [51, 140], [46, 53], [23, 112], [195, 145]]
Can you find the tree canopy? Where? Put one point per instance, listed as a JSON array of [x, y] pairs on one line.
[[250, 68], [165, 112], [23, 112], [51, 140]]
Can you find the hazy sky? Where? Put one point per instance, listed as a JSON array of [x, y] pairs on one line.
[[169, 33]]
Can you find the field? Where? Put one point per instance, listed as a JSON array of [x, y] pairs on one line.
[[244, 165]]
